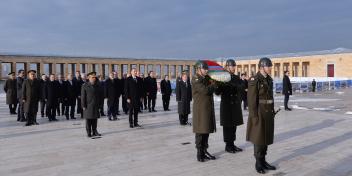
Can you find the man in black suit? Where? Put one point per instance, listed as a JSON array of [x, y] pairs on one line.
[[71, 90], [314, 84], [287, 89], [111, 93], [152, 89], [62, 95], [119, 89], [133, 86], [31, 91], [80, 79], [20, 112], [183, 98], [52, 97], [43, 110], [166, 91], [144, 93], [244, 83]]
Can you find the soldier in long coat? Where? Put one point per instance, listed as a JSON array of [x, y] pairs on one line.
[[230, 107], [31, 93], [20, 79], [91, 102], [165, 87], [52, 97], [203, 110], [183, 98], [260, 127], [10, 88]]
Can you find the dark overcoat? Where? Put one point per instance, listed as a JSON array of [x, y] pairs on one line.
[[91, 96], [183, 97], [31, 93], [10, 88]]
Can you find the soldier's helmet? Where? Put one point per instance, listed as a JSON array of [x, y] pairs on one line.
[[265, 62], [201, 64], [230, 62]]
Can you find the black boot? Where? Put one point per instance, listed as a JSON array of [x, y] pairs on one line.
[[267, 165], [200, 155], [259, 166], [208, 155]]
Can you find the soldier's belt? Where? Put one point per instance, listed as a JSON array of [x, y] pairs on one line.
[[266, 101]]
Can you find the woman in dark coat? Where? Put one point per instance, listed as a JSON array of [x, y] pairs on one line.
[[10, 88], [31, 91], [184, 98]]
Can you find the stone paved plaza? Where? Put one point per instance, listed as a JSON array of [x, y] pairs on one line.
[[315, 139]]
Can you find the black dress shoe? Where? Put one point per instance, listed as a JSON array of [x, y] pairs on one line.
[[267, 165], [95, 133], [110, 118], [237, 149], [208, 155], [115, 118], [230, 149], [137, 125], [35, 123], [28, 124], [131, 126], [288, 109], [89, 135]]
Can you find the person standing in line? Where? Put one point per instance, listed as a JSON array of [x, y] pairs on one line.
[[152, 89], [10, 88], [91, 102], [133, 85], [184, 98], [166, 91], [62, 95], [79, 80], [71, 97], [43, 108], [31, 93], [52, 97], [20, 112], [111, 95]]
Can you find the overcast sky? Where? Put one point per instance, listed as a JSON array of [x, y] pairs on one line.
[[173, 28]]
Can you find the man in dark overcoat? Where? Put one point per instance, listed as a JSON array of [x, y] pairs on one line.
[[133, 86], [10, 88], [20, 112], [71, 96], [165, 87], [52, 97], [111, 93], [152, 89], [91, 102], [31, 94], [183, 98]]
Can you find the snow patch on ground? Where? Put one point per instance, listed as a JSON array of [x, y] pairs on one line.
[[349, 113]]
